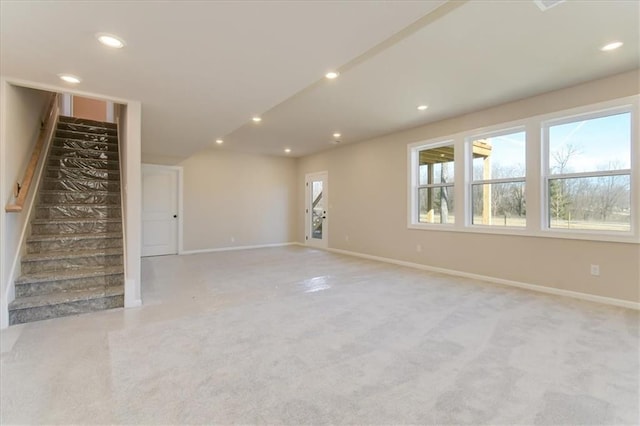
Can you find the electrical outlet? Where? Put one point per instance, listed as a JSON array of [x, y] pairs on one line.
[[595, 270], [419, 248], [233, 239], [346, 238]]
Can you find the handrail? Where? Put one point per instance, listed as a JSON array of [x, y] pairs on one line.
[[22, 190]]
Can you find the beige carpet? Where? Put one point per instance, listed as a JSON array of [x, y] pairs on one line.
[[296, 336]]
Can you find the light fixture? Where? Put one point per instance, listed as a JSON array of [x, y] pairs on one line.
[[256, 119], [219, 141], [287, 150], [69, 78], [611, 46], [332, 74], [423, 107], [110, 40], [336, 135]]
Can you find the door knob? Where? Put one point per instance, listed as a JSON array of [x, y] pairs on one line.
[[175, 215]]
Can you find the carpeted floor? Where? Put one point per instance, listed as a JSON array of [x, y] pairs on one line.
[[298, 336]]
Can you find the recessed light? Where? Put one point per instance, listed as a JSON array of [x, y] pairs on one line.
[[256, 119], [219, 141], [69, 78], [332, 74], [611, 46], [423, 107], [110, 40], [287, 150], [336, 135]]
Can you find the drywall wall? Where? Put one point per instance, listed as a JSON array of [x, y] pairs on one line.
[[22, 111], [368, 207], [232, 199]]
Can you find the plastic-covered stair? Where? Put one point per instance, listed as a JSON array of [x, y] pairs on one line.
[[74, 256]]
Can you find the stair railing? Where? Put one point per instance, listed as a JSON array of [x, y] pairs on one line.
[[46, 133]]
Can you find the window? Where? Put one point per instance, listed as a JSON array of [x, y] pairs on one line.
[[498, 164], [435, 185], [580, 183], [588, 176]]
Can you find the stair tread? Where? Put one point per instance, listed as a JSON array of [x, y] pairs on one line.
[[98, 125], [78, 220], [69, 274], [63, 192], [55, 157], [58, 139], [100, 169], [79, 236], [51, 205], [105, 134], [75, 120], [72, 254], [65, 297], [67, 148]]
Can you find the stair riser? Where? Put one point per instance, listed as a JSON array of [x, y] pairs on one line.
[[72, 153], [82, 162], [96, 174], [72, 228], [86, 128], [79, 144], [36, 266], [85, 136], [48, 287], [69, 244], [64, 309], [77, 198], [75, 120], [80, 185], [61, 212]]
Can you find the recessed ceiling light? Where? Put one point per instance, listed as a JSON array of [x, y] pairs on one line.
[[219, 141], [336, 135], [287, 150], [611, 46], [69, 78], [256, 119], [110, 40], [332, 74], [423, 107]]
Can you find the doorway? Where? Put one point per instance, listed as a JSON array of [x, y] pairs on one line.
[[316, 209], [161, 216]]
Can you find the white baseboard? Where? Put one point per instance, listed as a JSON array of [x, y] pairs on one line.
[[212, 250], [533, 287], [136, 303]]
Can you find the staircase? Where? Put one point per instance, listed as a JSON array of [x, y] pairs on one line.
[[74, 255]]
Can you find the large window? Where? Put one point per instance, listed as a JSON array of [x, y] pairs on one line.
[[588, 180], [568, 174], [435, 185], [498, 164]]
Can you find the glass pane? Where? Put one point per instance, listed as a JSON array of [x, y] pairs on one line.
[[436, 165], [436, 205], [317, 209], [593, 203], [499, 157], [591, 145], [499, 204]]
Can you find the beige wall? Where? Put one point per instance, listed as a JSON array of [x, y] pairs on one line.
[[91, 109], [368, 204], [249, 198], [22, 111]]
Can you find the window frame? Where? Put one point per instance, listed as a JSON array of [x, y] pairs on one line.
[[535, 177], [470, 182], [547, 176]]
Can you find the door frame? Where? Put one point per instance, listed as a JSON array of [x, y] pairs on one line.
[[179, 189], [324, 243]]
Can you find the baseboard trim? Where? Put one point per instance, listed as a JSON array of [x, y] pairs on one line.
[[533, 287], [133, 304], [259, 246]]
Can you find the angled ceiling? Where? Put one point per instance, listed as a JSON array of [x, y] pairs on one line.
[[203, 69]]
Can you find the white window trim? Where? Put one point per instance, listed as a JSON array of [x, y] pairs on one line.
[[536, 171]]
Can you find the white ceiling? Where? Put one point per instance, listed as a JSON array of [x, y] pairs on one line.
[[203, 69]]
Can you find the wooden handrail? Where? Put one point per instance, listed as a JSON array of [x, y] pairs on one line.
[[23, 189]]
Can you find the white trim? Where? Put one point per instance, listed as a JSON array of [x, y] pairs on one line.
[[533, 287], [259, 246]]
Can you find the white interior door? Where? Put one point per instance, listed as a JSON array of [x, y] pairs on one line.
[[159, 210], [317, 209]]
